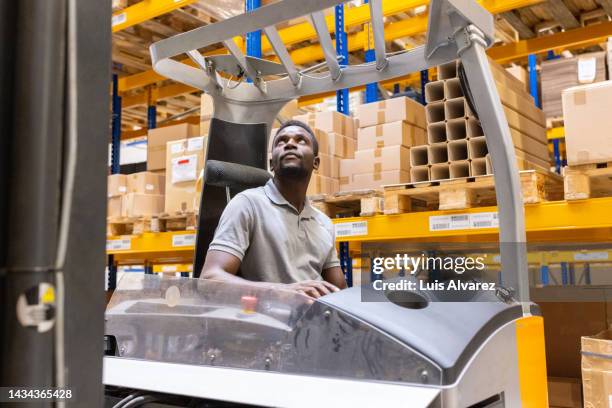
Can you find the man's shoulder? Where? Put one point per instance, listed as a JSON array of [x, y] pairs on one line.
[[253, 196]]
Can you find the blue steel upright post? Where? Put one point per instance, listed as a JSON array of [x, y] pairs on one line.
[[342, 106], [253, 39], [115, 164], [424, 81], [371, 93]]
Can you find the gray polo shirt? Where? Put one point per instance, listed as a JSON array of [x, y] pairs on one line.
[[274, 242]]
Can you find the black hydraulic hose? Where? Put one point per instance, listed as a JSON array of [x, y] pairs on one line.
[[465, 87]]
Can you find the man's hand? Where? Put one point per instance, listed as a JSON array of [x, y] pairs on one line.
[[312, 288]]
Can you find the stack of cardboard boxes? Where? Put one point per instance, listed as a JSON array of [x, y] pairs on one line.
[[456, 146], [387, 131], [135, 195], [157, 140], [335, 133], [184, 173]]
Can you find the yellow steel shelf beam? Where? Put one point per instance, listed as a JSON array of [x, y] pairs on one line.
[[576, 38], [357, 41], [578, 221], [143, 11], [555, 133], [562, 221]]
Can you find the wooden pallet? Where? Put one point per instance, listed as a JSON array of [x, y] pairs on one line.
[[587, 181], [350, 203], [536, 185], [179, 221], [159, 223]]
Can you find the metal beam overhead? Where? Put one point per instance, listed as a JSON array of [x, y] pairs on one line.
[[143, 11], [318, 22], [378, 31], [606, 5], [281, 52]]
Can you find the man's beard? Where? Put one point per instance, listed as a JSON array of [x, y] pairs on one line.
[[291, 172]]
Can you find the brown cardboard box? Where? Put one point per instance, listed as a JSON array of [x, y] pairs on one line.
[[322, 185], [184, 163], [597, 370], [136, 205], [376, 180], [329, 166], [383, 159], [157, 139], [330, 121], [206, 107], [390, 134], [117, 185], [564, 392], [392, 110], [146, 182], [335, 144], [588, 123], [521, 74], [114, 206], [204, 127]]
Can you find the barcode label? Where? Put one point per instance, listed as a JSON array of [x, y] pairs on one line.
[[183, 240], [591, 256], [118, 244], [118, 19], [463, 221], [351, 229]]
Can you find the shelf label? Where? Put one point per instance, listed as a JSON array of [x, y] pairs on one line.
[[118, 19], [591, 256], [183, 240], [463, 221], [118, 244], [351, 229]]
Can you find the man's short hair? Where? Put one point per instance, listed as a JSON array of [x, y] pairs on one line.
[[315, 142]]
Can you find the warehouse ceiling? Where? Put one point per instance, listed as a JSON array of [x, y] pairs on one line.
[[132, 63]]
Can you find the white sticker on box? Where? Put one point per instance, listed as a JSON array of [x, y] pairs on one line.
[[149, 187], [351, 229], [118, 19], [591, 256], [463, 221], [118, 244], [122, 189], [184, 168], [587, 69], [176, 148], [183, 240], [195, 144]]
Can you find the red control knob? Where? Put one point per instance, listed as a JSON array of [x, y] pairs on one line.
[[248, 303]]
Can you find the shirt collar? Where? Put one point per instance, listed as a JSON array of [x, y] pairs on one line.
[[277, 198]]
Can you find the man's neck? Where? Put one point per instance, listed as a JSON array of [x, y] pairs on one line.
[[293, 190]]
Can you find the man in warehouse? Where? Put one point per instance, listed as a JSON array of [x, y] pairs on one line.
[[271, 235]]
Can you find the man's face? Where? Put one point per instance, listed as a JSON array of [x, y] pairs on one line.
[[293, 154]]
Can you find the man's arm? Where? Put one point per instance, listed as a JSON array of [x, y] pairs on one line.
[[335, 276], [223, 266]]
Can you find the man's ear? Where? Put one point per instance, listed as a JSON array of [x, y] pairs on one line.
[[270, 164], [315, 163]]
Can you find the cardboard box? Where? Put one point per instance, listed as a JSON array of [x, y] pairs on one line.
[[390, 134], [597, 370], [204, 128], [114, 206], [521, 74], [374, 180], [383, 159], [184, 163], [146, 182], [392, 110], [335, 144], [330, 121], [136, 205], [117, 185], [158, 138], [322, 185], [588, 123], [564, 392], [329, 166], [206, 107]]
